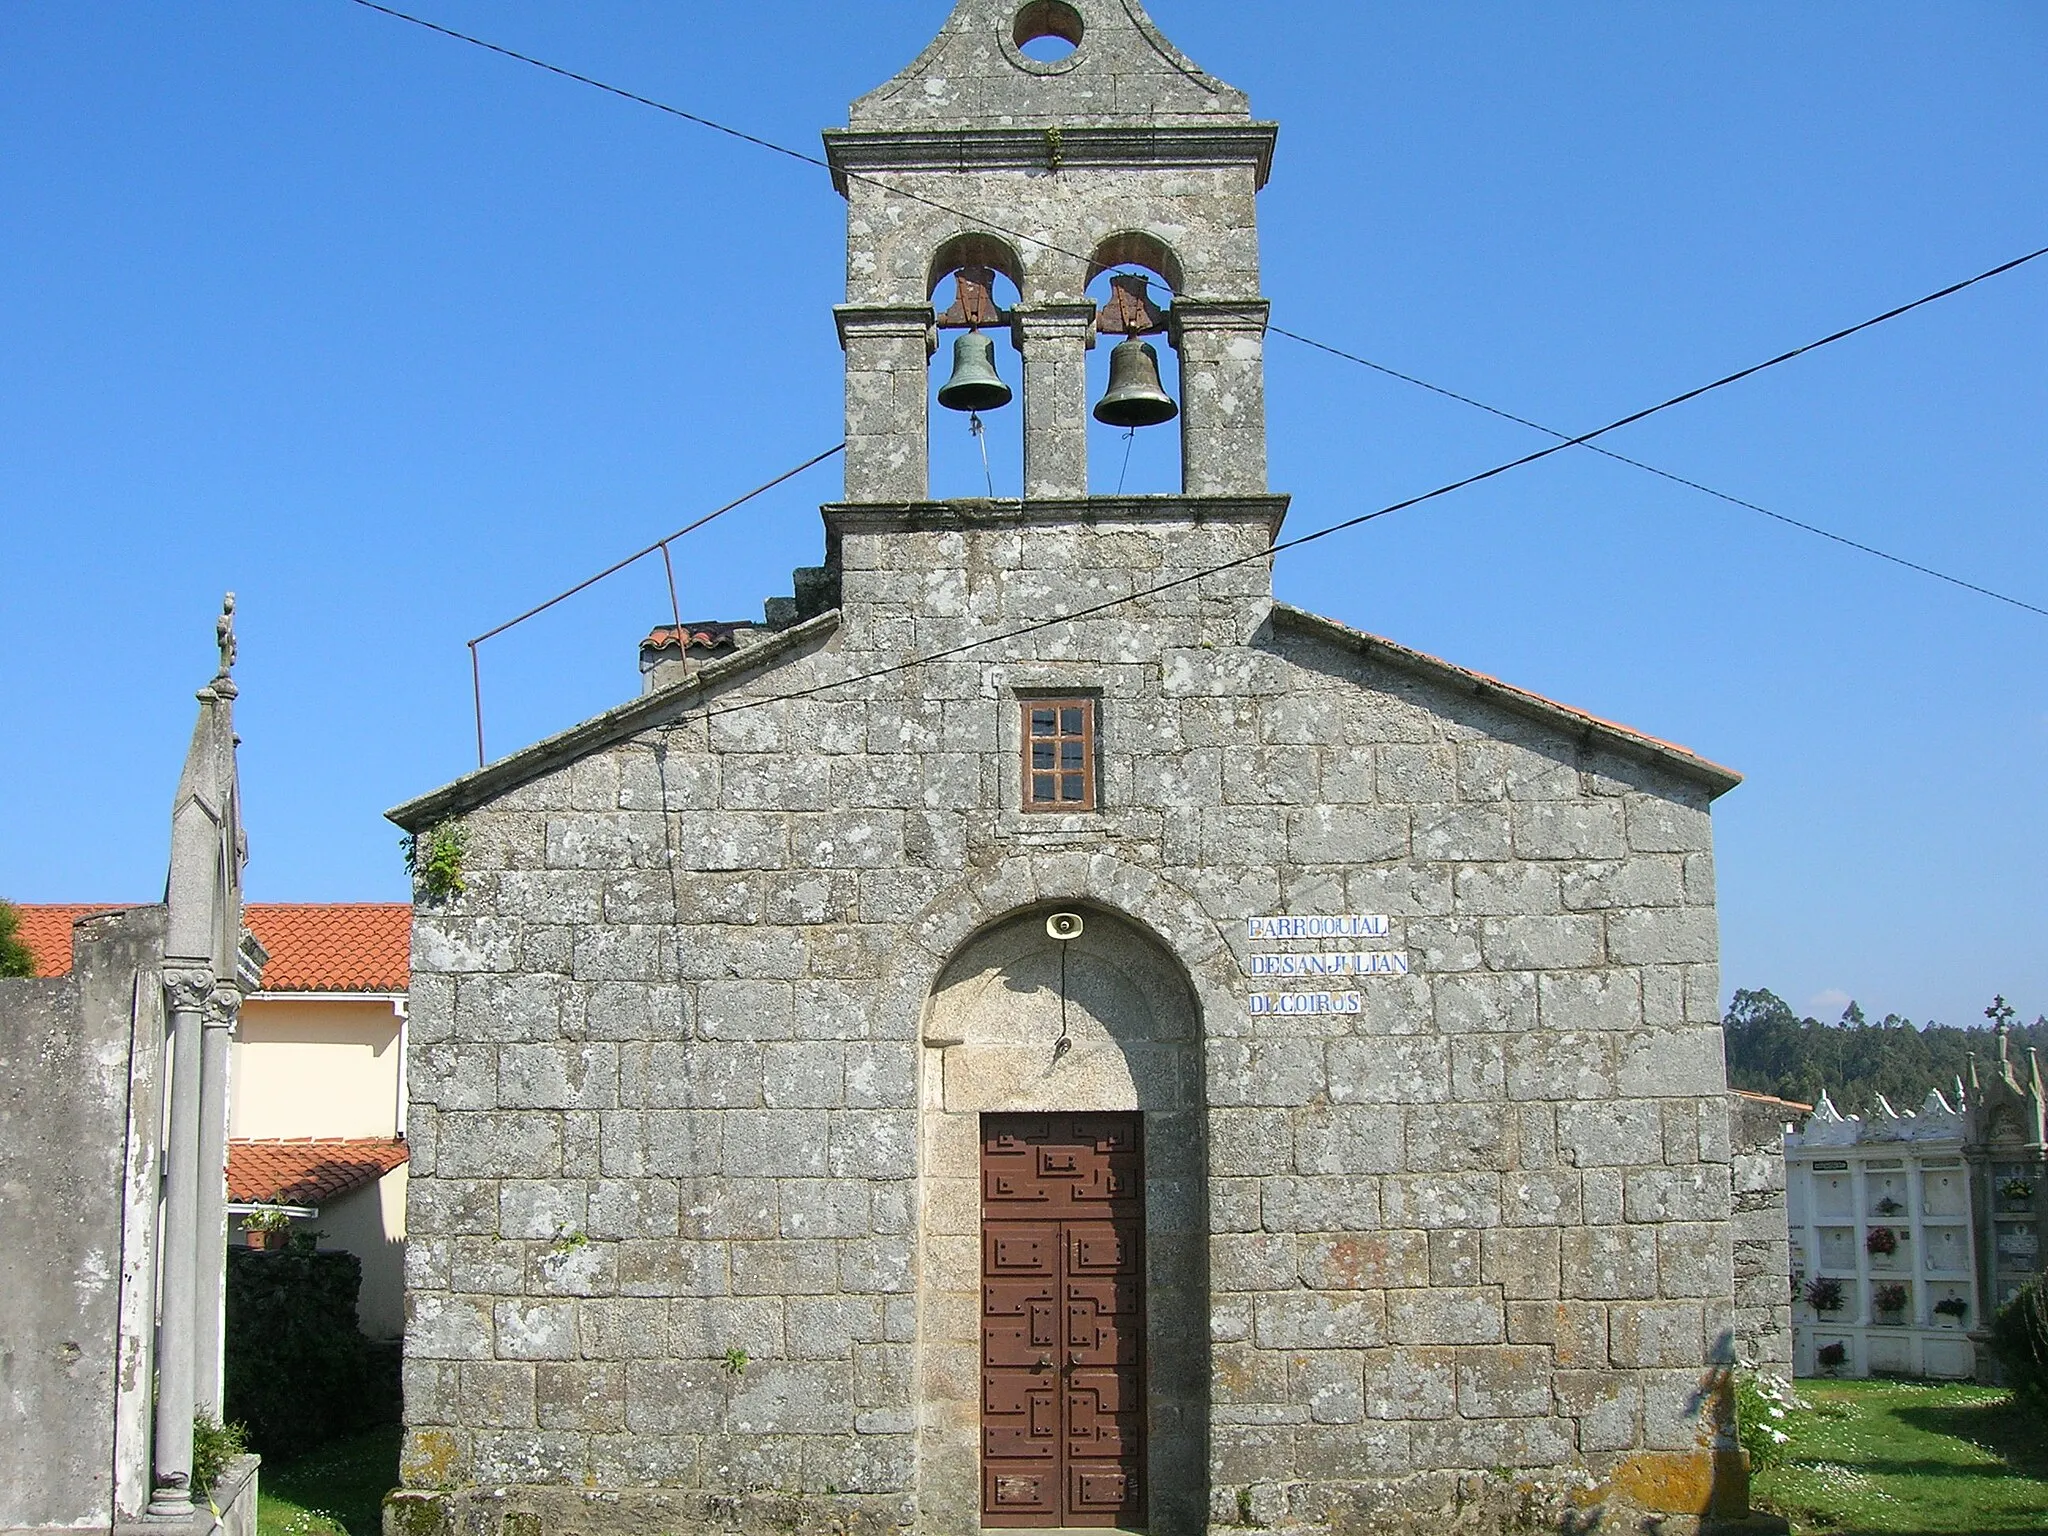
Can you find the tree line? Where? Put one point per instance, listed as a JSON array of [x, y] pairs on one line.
[[1773, 1050]]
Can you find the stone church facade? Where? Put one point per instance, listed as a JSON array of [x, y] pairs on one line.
[[1185, 1066]]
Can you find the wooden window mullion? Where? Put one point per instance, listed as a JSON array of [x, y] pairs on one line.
[[1059, 754]]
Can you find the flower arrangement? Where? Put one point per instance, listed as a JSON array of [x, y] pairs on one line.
[[1824, 1294], [1890, 1298], [1952, 1306], [1889, 1207], [1881, 1240], [2016, 1191], [1831, 1357]]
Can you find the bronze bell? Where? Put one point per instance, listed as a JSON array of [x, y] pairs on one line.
[[975, 385], [1136, 398]]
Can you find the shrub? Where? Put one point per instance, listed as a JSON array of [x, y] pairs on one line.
[[16, 959], [214, 1445], [299, 1371], [2019, 1338]]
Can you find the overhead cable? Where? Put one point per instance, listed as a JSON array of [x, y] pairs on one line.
[[893, 190], [1284, 545]]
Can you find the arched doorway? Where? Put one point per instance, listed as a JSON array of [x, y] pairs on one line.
[[1063, 1285]]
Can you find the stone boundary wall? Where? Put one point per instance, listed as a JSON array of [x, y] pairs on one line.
[[1763, 1245], [81, 1075]]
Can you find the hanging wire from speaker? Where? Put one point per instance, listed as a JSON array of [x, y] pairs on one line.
[[1063, 928]]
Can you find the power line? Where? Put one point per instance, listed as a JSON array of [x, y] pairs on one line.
[[1677, 479], [662, 544], [895, 191], [1582, 440], [476, 673]]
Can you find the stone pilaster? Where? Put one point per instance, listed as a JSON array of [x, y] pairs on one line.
[[186, 992], [210, 1226], [1222, 346], [888, 356], [1055, 339]]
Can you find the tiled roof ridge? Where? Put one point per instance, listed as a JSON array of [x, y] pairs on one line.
[[307, 1171], [332, 946]]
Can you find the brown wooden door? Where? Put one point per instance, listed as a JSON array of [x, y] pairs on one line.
[[1062, 1320]]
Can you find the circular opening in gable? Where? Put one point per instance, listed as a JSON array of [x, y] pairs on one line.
[[1048, 31]]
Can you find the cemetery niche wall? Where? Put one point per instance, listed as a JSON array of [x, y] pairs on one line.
[[1192, 1066]]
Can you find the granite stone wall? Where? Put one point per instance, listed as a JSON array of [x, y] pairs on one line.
[[81, 1103], [1763, 1245], [665, 1212]]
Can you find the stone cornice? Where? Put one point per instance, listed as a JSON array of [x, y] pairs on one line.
[[1562, 718], [508, 773], [882, 320], [867, 152], [1250, 316], [844, 517]]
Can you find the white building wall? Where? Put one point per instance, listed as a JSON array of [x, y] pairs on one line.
[[1904, 1174]]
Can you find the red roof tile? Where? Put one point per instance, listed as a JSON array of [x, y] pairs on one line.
[[314, 947], [307, 1172], [705, 635], [354, 947], [46, 930]]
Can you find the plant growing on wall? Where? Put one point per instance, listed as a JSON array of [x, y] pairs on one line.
[[1824, 1294], [1881, 1240], [434, 859], [1890, 1298], [214, 1445]]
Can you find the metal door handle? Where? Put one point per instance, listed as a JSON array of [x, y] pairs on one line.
[[1044, 1361], [1074, 1358]]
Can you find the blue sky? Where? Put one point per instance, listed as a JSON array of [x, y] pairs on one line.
[[395, 338]]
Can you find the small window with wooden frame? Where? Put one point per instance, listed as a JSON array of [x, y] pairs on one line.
[[1059, 754]]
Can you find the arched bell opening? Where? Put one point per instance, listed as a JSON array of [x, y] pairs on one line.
[[975, 391], [1134, 383]]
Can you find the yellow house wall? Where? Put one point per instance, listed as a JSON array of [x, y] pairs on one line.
[[315, 1068], [370, 1223]]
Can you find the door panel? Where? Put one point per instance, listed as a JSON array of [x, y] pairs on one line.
[[1063, 1320]]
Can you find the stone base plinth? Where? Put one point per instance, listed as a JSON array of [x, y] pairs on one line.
[[1657, 1493], [516, 1511]]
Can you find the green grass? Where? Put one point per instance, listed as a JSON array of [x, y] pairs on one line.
[[337, 1490], [1909, 1460]]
